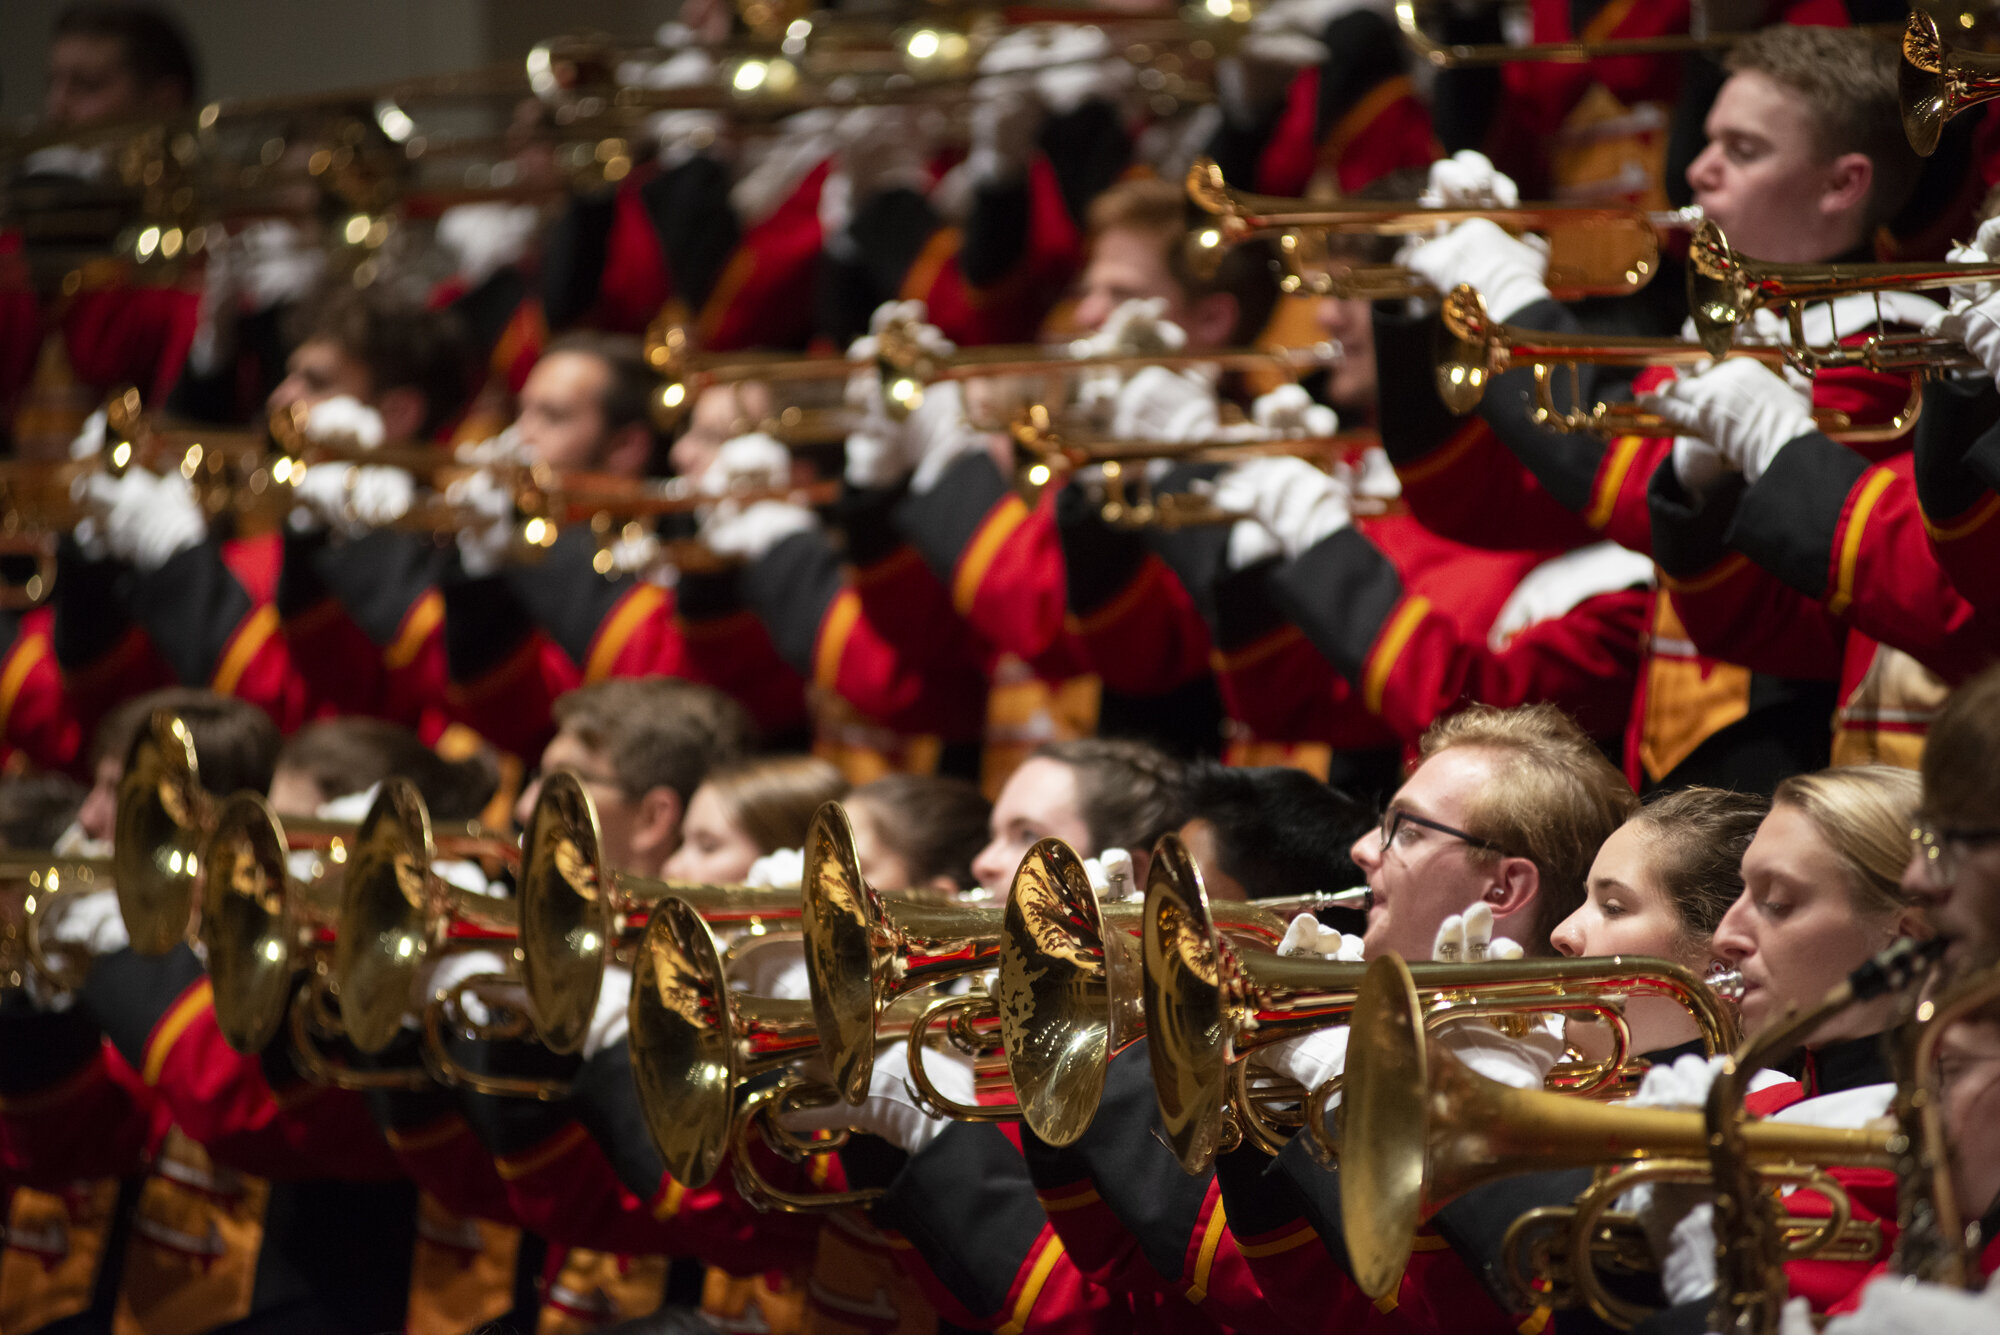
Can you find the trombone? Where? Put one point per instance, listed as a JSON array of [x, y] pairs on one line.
[[1476, 349], [1725, 287], [1419, 1129], [1594, 250], [907, 367], [1210, 1006], [577, 915]]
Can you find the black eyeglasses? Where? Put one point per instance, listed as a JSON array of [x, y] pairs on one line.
[[1941, 850], [1394, 819]]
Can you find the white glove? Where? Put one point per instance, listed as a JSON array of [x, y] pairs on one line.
[[1469, 937], [749, 532], [1742, 407], [1289, 31], [352, 498], [1976, 324], [89, 442], [484, 543], [146, 520], [1290, 412], [444, 971], [1138, 327], [482, 239], [890, 1110], [1469, 180], [610, 1021], [1985, 245], [1250, 543], [1296, 502], [1518, 1063], [1160, 404], [505, 449], [1307, 936], [1110, 873], [1699, 465], [786, 867], [1687, 1268], [91, 921], [1311, 1059], [880, 149], [344, 418], [755, 461], [274, 260], [1510, 272], [1077, 67], [1894, 1306], [1684, 1084], [1004, 122]]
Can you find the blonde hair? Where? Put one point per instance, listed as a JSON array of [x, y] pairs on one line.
[[1864, 812], [1554, 798], [773, 800]]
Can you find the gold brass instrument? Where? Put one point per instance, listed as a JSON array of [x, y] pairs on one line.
[[396, 913], [1419, 1128], [1751, 1288], [1069, 985], [1455, 55], [1594, 250], [1939, 80], [1477, 348], [49, 881], [1725, 287], [577, 915], [907, 367], [1209, 1007], [1932, 1242]]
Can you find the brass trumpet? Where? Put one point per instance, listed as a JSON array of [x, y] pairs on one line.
[[1603, 250], [1210, 1006], [1724, 288], [1939, 80], [1478, 348], [48, 882], [1419, 1129], [1932, 1242], [906, 366], [577, 915]]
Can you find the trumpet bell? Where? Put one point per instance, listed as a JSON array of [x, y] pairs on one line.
[[847, 961], [1185, 1022], [1924, 86], [1382, 1119], [565, 905], [156, 853], [1467, 338], [1058, 992], [387, 916], [245, 922]]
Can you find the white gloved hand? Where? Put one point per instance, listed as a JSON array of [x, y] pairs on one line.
[[444, 971], [352, 498], [484, 238], [1976, 324], [1510, 273], [883, 449], [1985, 245], [1308, 936], [786, 867], [1077, 67], [146, 520], [1742, 407], [749, 532], [1138, 327], [1469, 180], [1289, 411], [275, 260], [344, 418], [1289, 31], [1005, 119], [1250, 543], [1699, 464], [1687, 1269], [1518, 1063], [609, 1022], [89, 442], [890, 1110], [1161, 404], [1110, 873], [1895, 1306], [1311, 1059], [505, 449], [1468, 937], [756, 461], [484, 543], [1300, 505], [90, 921], [1684, 1084]]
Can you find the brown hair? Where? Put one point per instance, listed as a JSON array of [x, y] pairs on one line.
[[936, 825], [235, 742], [1961, 764], [352, 755], [629, 391], [773, 799], [1848, 80], [403, 345], [1150, 206], [1554, 798], [656, 732], [1864, 812], [1696, 838], [1130, 793]]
